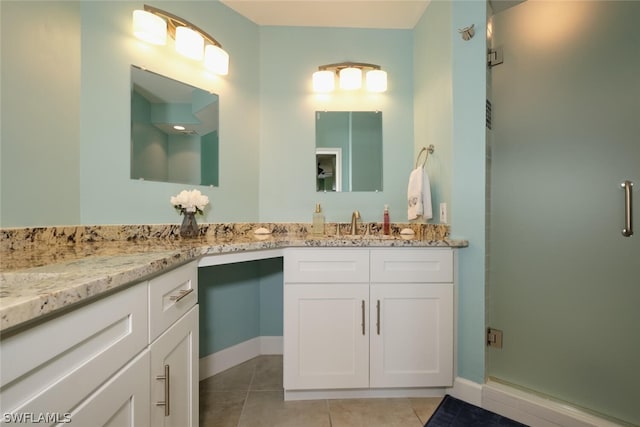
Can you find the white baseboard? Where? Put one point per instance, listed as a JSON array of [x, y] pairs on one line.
[[527, 408], [534, 410], [239, 353], [364, 393], [466, 390], [271, 345]]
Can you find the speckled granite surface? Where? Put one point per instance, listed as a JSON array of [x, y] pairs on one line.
[[43, 270]]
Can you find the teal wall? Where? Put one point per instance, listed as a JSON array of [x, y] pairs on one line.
[[288, 58], [449, 112], [468, 179], [81, 152], [432, 109], [239, 302], [108, 50], [40, 105]]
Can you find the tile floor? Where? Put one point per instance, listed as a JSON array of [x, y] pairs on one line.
[[251, 395]]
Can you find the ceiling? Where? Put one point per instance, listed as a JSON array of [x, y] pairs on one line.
[[385, 14], [400, 14]]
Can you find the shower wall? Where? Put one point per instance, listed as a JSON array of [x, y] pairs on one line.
[[564, 283]]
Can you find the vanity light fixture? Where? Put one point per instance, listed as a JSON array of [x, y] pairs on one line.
[[152, 25], [350, 77]]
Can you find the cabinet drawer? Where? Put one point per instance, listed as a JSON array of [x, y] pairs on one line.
[[170, 296], [400, 265], [326, 265], [51, 367]]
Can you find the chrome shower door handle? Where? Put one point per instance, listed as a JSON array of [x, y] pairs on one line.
[[627, 231]]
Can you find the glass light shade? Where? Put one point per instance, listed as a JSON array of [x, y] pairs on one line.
[[216, 59], [350, 78], [149, 27], [376, 81], [189, 43], [324, 81]]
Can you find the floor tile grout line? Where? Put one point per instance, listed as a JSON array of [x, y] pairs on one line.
[[246, 396], [329, 412]]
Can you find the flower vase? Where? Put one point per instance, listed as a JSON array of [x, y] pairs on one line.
[[189, 227]]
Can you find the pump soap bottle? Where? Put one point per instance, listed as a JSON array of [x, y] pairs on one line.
[[317, 227], [385, 226]]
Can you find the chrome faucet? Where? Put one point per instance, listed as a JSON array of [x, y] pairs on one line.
[[355, 216]]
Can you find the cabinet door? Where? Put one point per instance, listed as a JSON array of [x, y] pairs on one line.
[[411, 335], [176, 353], [53, 366], [326, 336], [122, 401]]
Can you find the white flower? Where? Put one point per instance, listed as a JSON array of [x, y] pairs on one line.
[[190, 201]]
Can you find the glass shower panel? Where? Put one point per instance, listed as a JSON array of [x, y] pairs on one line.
[[564, 282]]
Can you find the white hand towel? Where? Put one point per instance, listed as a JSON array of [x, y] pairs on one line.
[[419, 195]]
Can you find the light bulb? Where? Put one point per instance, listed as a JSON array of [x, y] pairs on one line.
[[376, 81], [350, 78], [216, 59], [149, 27], [189, 43], [323, 81]]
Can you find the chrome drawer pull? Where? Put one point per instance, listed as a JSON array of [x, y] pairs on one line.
[[183, 293], [628, 213], [378, 316], [166, 401]]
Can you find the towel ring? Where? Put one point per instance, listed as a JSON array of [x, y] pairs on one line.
[[430, 149]]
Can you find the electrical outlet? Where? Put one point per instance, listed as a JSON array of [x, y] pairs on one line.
[[443, 213]]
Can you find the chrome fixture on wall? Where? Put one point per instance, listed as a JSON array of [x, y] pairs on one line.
[[467, 32], [350, 77], [152, 26]]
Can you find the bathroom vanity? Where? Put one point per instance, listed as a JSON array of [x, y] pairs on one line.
[[107, 333], [373, 321], [130, 358]]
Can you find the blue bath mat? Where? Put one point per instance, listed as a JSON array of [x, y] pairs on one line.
[[453, 412]]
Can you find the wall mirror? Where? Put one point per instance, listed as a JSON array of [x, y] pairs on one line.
[[174, 130], [348, 151]]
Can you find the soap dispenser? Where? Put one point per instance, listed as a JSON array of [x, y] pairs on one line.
[[317, 227], [385, 224]]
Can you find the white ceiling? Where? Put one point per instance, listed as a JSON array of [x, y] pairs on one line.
[[386, 14], [400, 14]]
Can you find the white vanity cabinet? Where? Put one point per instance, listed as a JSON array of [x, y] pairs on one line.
[[411, 318], [173, 332], [94, 365], [368, 318], [326, 300]]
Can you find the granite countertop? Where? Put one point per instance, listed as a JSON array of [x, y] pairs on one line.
[[44, 270]]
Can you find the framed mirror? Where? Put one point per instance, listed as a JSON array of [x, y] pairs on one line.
[[174, 130], [348, 151]]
